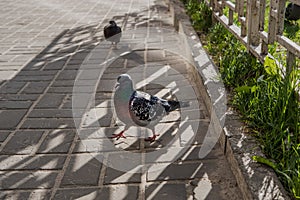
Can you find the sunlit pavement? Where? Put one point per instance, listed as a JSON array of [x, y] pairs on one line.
[[56, 147]]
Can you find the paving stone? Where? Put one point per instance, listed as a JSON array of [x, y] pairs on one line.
[[106, 85], [57, 141], [88, 75], [27, 180], [34, 65], [182, 171], [84, 89], [36, 87], [110, 76], [34, 78], [205, 189], [11, 118], [15, 104], [104, 103], [171, 154], [97, 117], [67, 75], [80, 56], [113, 176], [51, 113], [12, 87], [195, 114], [83, 169], [94, 146], [73, 65], [19, 97], [22, 142], [123, 167], [117, 192], [56, 65], [3, 135], [60, 83], [34, 194], [166, 191], [48, 124], [36, 73], [81, 103], [193, 133], [91, 82], [71, 90], [97, 132], [36, 162], [61, 90], [103, 96], [50, 101]]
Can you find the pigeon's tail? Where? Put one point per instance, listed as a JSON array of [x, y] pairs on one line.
[[177, 104]]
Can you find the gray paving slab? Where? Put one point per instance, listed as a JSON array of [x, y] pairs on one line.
[[12, 87], [166, 191], [46, 153], [37, 194], [11, 118], [50, 101], [22, 142], [27, 180], [83, 170], [37, 87], [117, 192], [57, 141], [27, 162]]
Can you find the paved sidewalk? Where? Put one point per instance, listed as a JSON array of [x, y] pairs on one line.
[[56, 113]]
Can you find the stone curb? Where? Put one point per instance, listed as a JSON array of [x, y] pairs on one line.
[[255, 180]]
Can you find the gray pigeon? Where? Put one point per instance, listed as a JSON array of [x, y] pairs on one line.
[[135, 108], [112, 32]]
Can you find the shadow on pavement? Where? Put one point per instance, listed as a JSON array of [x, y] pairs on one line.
[[42, 155]]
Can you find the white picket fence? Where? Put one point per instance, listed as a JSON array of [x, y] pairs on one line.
[[251, 28]]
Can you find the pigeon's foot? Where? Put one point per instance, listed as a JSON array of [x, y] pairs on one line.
[[118, 136], [151, 139]]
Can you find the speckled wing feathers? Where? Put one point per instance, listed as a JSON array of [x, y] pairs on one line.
[[146, 107]]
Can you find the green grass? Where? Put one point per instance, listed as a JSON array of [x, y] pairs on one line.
[[267, 101]]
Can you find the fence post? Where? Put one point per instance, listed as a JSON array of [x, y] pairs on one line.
[[262, 15], [253, 22], [290, 62], [272, 22], [280, 17]]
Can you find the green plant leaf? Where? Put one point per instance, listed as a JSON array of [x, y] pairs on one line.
[[265, 161], [254, 88], [244, 88], [270, 65]]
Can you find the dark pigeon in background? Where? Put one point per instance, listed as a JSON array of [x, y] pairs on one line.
[[292, 12], [135, 108], [112, 32]]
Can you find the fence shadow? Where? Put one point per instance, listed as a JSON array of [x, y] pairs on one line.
[[42, 156]]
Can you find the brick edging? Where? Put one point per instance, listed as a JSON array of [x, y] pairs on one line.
[[255, 180]]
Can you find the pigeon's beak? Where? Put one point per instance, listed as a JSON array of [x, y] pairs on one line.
[[117, 85]]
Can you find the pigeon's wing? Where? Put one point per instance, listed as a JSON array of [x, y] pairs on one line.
[[106, 31], [112, 33], [145, 108]]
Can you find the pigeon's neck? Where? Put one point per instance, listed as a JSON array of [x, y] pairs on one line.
[[125, 91]]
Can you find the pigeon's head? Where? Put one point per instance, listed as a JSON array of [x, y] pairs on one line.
[[124, 80], [112, 22]]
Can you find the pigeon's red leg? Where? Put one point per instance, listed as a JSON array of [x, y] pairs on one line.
[[118, 136], [151, 139]]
